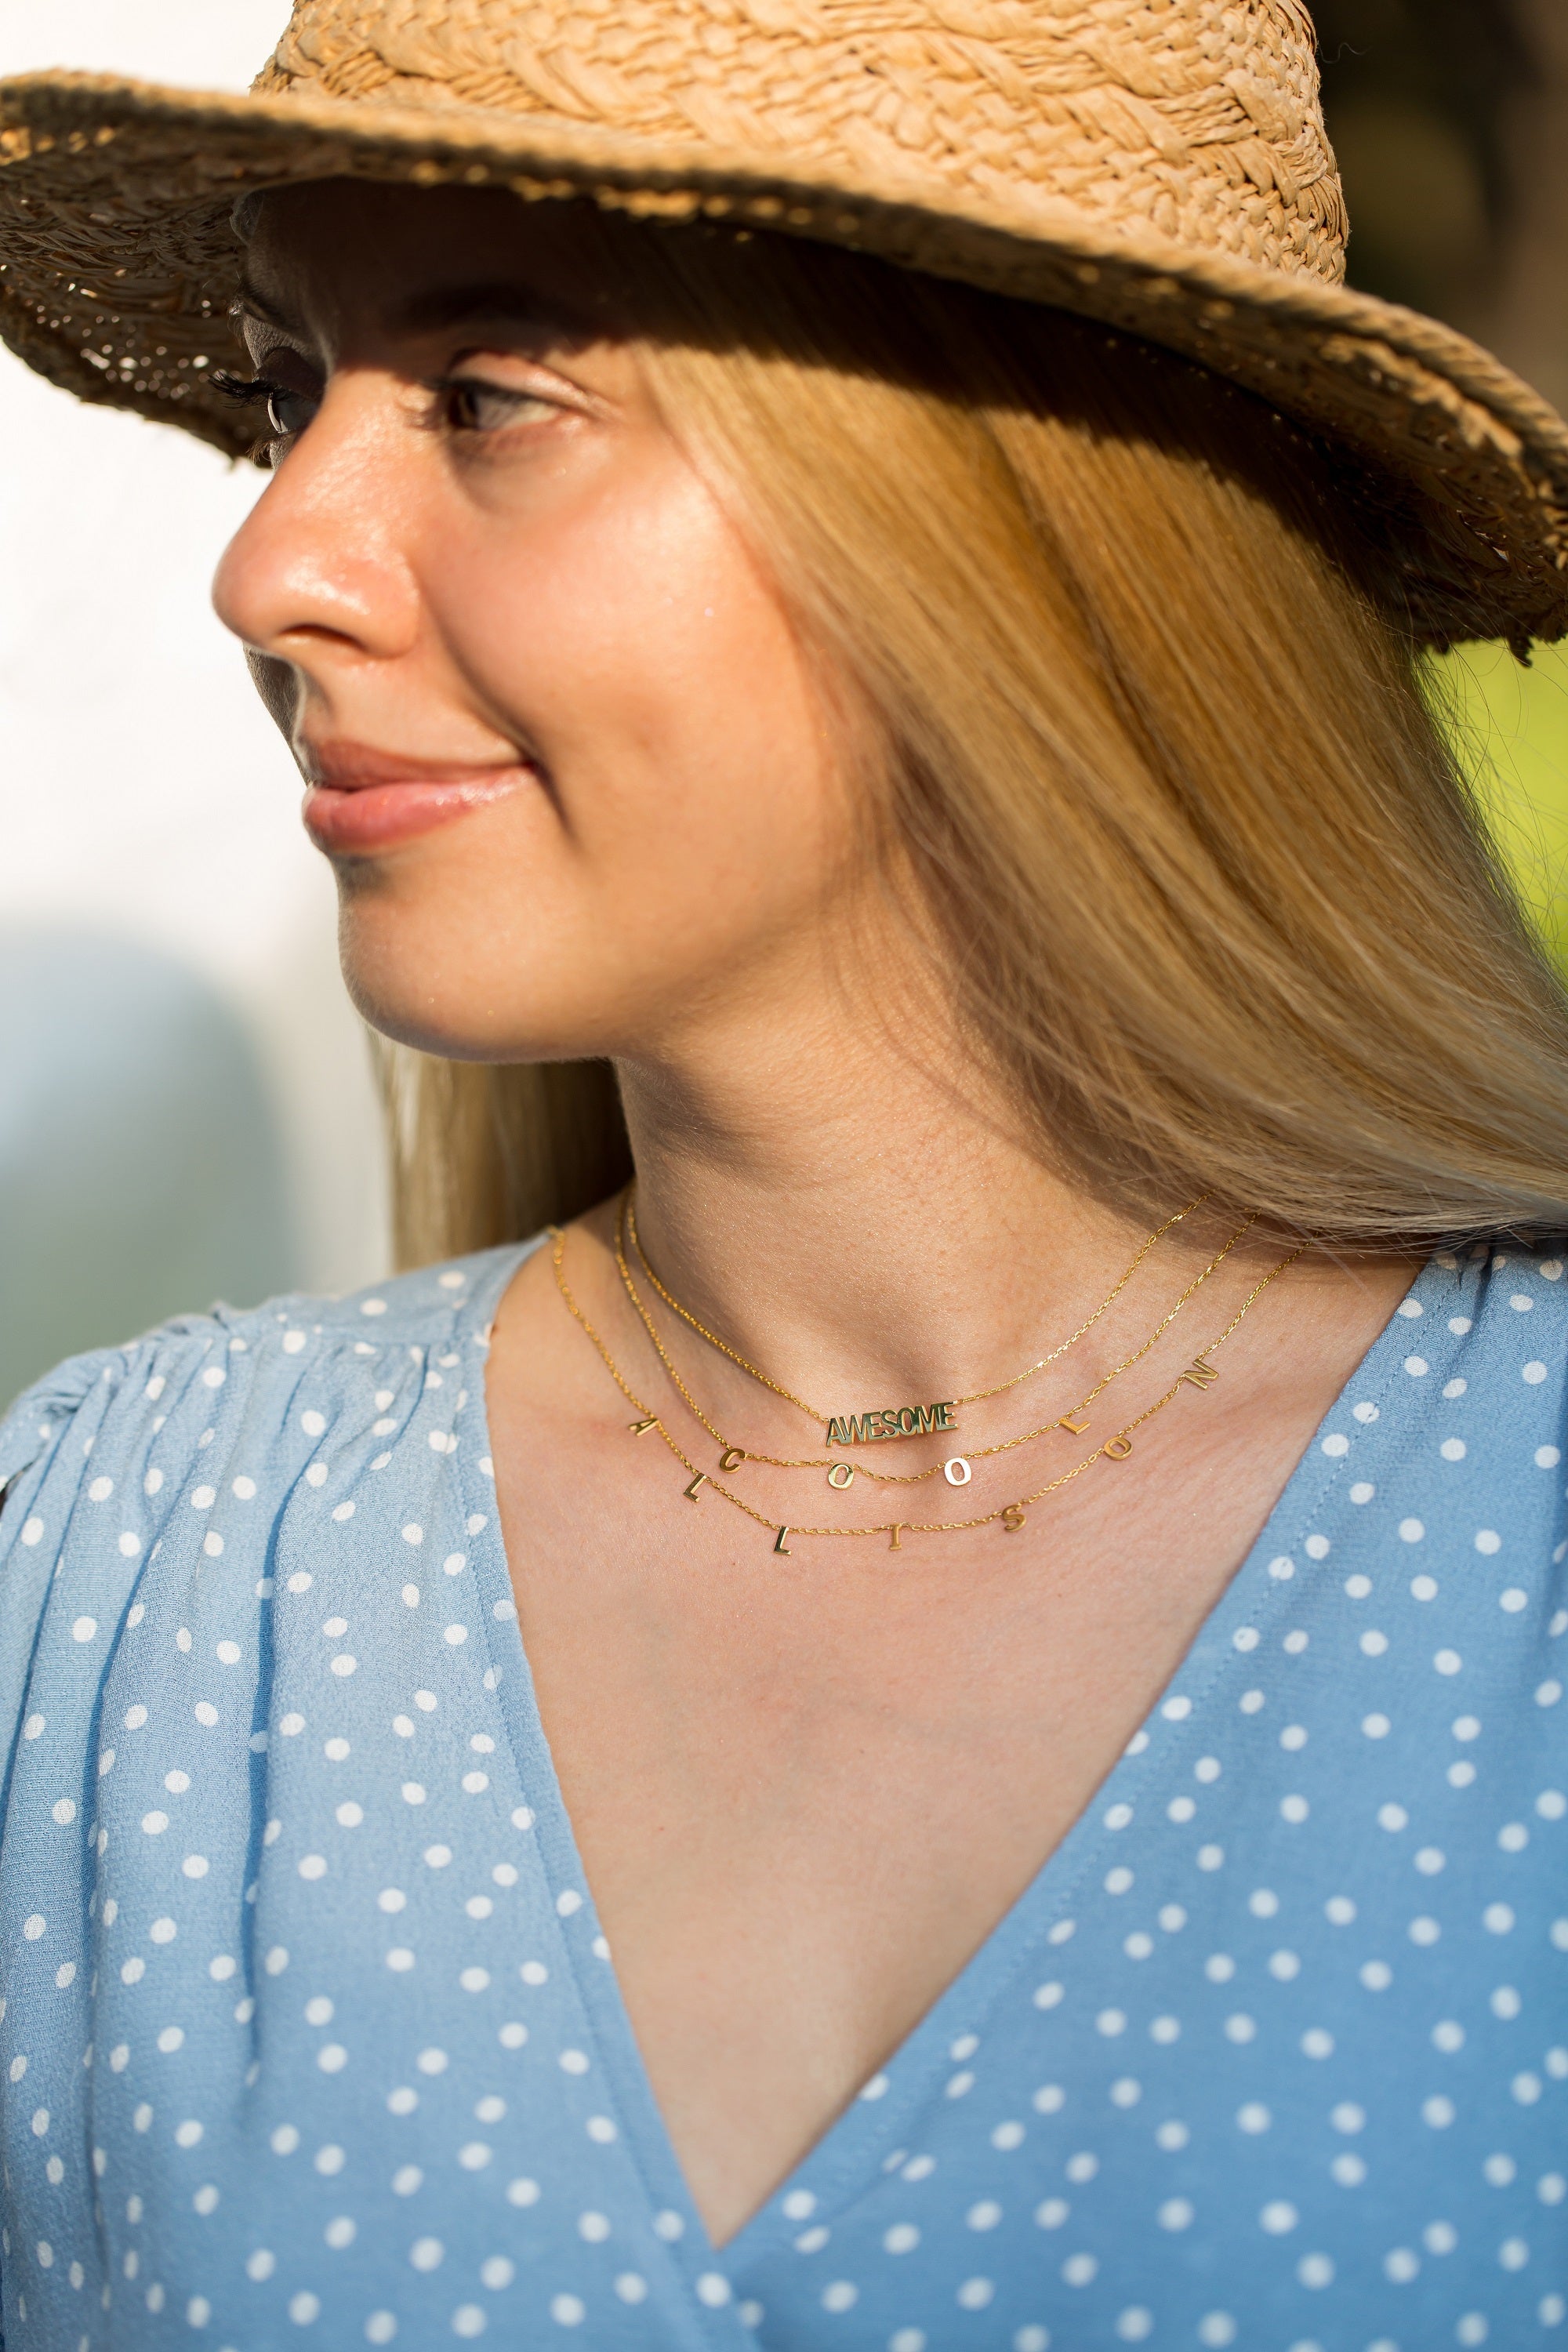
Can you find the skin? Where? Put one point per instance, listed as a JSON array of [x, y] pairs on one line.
[[804, 1788]]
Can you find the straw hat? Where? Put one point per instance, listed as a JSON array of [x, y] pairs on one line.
[[1158, 165]]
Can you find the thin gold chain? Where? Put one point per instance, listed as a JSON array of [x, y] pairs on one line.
[[862, 1469], [979, 1395], [1010, 1514]]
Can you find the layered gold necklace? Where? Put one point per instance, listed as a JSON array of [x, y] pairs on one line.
[[1011, 1517], [958, 1469], [877, 1426]]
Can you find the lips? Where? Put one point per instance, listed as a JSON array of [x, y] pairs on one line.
[[377, 816], [360, 801]]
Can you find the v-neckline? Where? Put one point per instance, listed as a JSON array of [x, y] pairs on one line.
[[850, 2151]]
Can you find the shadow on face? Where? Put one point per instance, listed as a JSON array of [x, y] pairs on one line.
[[562, 740]]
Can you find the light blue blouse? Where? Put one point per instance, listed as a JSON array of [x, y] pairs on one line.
[[309, 2033]]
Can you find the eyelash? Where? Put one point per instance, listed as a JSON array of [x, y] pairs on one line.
[[246, 391], [250, 391]]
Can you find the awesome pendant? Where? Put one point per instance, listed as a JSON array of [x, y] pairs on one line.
[[894, 1420]]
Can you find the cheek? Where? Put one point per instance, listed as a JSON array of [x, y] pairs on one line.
[[694, 818], [632, 645]]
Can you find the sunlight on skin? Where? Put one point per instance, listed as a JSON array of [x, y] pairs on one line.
[[486, 567], [549, 600]]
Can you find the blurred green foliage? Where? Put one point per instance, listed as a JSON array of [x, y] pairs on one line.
[[1512, 727]]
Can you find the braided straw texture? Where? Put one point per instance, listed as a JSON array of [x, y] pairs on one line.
[[1199, 122], [1158, 164]]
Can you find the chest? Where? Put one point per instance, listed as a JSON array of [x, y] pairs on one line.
[[806, 1790], [1280, 2019]]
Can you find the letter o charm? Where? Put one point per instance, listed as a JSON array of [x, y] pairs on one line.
[[957, 1472], [842, 1474]]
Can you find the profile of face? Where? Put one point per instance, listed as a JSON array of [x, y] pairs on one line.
[[572, 766]]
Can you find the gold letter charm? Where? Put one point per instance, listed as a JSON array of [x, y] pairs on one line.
[[1013, 1518], [957, 1472], [842, 1474], [701, 1480], [779, 1543], [641, 1428], [1200, 1374], [732, 1457], [893, 1421], [895, 1532], [1077, 1427], [1116, 1449]]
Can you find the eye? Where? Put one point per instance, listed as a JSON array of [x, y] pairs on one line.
[[469, 404], [288, 410]]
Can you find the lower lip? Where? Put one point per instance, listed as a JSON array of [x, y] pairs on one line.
[[379, 816]]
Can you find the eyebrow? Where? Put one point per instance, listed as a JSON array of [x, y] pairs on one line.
[[500, 300], [444, 305]]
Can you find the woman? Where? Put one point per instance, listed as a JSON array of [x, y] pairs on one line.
[[957, 750]]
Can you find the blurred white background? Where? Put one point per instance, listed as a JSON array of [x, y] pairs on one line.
[[186, 1102]]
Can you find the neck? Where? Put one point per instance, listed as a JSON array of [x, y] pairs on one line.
[[852, 1206]]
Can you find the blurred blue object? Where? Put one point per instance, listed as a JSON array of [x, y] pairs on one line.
[[141, 1170]]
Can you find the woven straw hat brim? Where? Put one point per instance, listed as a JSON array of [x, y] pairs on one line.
[[119, 262]]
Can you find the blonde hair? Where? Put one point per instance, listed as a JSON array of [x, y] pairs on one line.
[[1216, 899]]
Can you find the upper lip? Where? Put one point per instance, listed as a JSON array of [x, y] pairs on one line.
[[348, 767]]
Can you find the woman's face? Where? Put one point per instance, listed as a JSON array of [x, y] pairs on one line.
[[564, 752]]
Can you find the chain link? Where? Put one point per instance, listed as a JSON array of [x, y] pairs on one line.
[[979, 1396], [863, 1469], [1011, 1513]]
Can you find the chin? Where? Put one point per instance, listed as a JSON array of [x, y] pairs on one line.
[[453, 1019], [464, 993]]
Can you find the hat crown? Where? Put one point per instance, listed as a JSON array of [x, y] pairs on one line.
[[1197, 119]]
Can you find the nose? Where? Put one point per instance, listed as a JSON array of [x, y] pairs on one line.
[[319, 576]]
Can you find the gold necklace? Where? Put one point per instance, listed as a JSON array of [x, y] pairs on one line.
[[896, 1421], [1011, 1516], [957, 1469]]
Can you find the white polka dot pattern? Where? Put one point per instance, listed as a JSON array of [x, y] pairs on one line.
[[309, 2031]]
